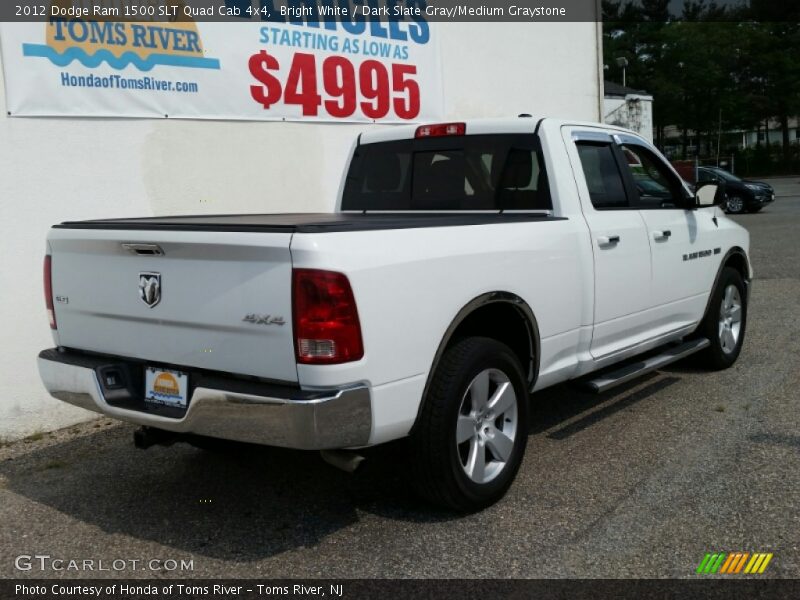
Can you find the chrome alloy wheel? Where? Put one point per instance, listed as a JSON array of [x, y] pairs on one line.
[[730, 319], [735, 204], [487, 425]]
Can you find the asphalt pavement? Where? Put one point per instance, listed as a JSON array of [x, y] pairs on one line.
[[641, 481]]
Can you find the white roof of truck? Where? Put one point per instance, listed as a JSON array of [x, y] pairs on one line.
[[479, 126]]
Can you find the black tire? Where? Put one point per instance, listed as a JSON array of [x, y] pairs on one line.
[[437, 470], [735, 205], [715, 356]]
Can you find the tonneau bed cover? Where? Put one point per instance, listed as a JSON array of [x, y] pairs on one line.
[[306, 222]]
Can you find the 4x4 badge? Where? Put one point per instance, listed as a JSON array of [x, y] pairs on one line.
[[264, 319]]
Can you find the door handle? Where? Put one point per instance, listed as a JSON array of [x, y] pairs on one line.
[[662, 235], [608, 240]]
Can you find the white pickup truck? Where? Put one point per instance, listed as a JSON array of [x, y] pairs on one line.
[[467, 265]]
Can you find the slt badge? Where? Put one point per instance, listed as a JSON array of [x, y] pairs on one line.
[[150, 288]]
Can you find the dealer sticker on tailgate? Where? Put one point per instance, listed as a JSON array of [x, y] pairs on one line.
[[169, 388]]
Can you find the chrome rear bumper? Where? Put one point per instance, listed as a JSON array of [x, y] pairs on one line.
[[339, 418]]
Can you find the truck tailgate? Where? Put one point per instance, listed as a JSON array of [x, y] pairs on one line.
[[209, 282]]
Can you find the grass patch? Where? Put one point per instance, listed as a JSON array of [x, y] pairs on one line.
[[34, 437], [720, 408]]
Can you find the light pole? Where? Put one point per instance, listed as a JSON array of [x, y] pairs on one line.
[[622, 62]]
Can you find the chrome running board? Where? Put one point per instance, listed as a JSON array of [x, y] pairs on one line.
[[611, 379]]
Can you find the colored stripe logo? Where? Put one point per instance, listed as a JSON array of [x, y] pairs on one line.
[[734, 563], [62, 59]]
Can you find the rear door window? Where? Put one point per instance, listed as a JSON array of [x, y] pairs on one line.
[[603, 176]]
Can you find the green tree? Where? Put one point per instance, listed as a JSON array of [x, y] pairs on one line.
[[713, 65]]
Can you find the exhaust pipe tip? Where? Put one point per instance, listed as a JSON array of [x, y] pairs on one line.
[[145, 437], [141, 439], [346, 460]]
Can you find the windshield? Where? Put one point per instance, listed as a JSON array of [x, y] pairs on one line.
[[474, 172]]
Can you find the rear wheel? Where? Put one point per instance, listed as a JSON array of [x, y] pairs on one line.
[[473, 428], [725, 323]]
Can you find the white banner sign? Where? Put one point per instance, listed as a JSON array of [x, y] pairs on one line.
[[344, 70]]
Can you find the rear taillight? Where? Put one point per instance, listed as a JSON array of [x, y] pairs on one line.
[[48, 291], [326, 326], [441, 130]]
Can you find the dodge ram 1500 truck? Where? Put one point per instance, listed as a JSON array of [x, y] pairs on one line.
[[467, 265]]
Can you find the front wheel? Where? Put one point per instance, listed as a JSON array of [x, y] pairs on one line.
[[473, 428], [725, 323], [734, 205]]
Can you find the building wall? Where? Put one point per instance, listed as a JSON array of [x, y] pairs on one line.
[[58, 169], [632, 112], [750, 138]]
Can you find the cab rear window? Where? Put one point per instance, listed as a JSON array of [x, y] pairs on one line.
[[458, 173]]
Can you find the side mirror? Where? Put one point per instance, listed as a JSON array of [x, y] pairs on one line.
[[709, 194]]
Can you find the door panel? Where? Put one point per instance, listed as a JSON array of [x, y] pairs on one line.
[[682, 264], [622, 279], [620, 246], [678, 237]]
